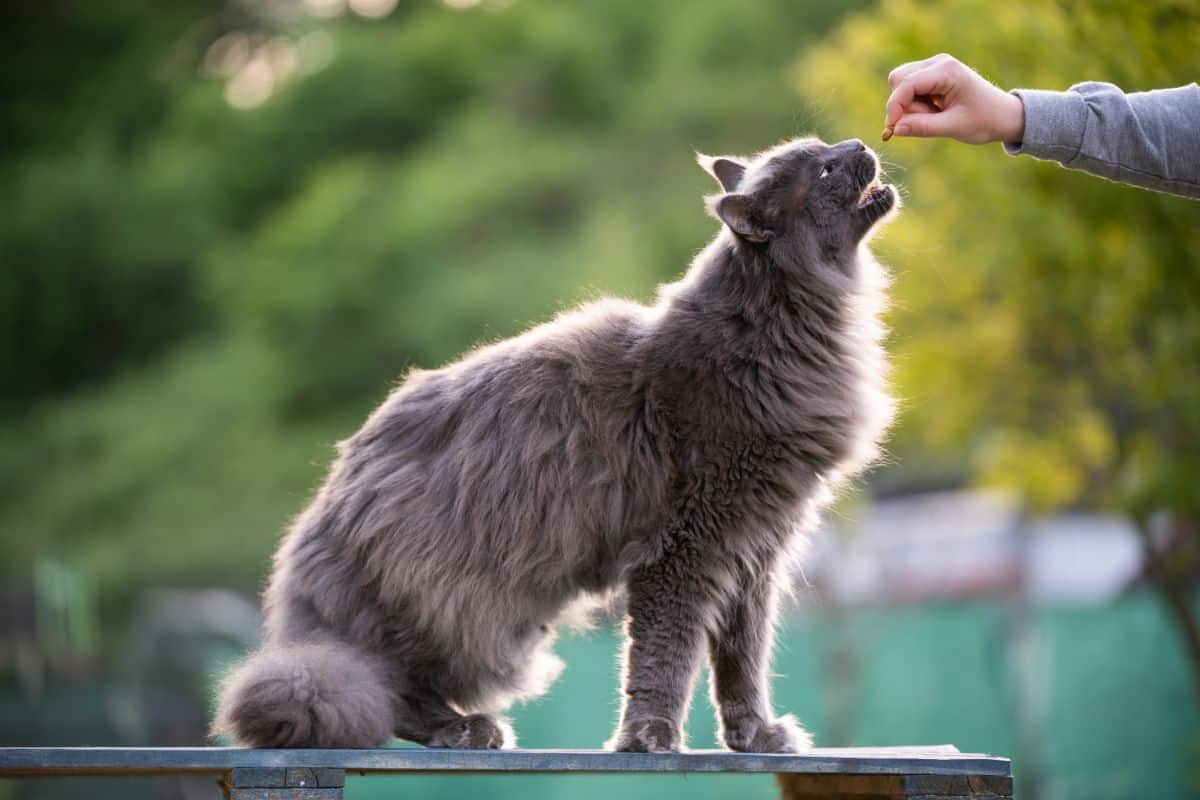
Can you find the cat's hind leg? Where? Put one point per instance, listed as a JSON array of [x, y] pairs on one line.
[[425, 718]]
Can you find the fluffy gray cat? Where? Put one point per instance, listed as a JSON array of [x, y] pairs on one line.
[[673, 452]]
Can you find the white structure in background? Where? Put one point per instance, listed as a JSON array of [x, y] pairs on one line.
[[964, 544], [1081, 557]]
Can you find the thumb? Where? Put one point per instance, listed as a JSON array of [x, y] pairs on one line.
[[927, 125]]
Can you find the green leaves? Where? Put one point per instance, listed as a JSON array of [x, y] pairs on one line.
[[262, 276], [1045, 321]]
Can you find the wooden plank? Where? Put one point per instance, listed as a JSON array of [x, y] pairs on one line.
[[798, 785], [795, 786], [945, 760], [302, 777], [285, 793], [989, 785], [258, 776], [318, 777], [278, 783]]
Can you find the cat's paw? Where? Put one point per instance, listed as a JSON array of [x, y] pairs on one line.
[[753, 734], [473, 732], [647, 735]]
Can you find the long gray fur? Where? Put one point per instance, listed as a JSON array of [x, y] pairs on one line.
[[674, 452]]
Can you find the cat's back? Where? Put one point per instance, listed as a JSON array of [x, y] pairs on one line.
[[531, 451], [552, 371]]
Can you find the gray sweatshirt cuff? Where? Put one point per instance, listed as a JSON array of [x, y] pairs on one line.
[[1054, 124]]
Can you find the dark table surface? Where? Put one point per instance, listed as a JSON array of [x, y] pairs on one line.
[[47, 761]]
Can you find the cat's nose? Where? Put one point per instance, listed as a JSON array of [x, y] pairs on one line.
[[857, 145]]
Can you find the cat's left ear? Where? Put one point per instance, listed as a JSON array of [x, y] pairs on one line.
[[727, 170], [743, 215]]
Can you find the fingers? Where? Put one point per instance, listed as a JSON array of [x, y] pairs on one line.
[[936, 79], [917, 106], [920, 106], [941, 123], [904, 70]]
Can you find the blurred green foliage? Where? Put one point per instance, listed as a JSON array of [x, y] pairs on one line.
[[198, 299], [1047, 323]]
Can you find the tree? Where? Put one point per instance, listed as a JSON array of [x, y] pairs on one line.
[[289, 210], [1047, 323]]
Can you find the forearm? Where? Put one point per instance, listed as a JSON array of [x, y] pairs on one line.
[[1148, 139]]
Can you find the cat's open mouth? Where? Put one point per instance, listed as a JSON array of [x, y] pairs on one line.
[[877, 196]]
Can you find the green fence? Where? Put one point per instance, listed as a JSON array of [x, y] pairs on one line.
[[1090, 703], [1104, 709]]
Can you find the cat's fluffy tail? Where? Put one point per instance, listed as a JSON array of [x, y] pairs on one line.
[[314, 694]]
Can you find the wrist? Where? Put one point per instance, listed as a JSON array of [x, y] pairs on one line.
[[1010, 124]]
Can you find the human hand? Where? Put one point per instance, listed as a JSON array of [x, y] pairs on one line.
[[941, 96]]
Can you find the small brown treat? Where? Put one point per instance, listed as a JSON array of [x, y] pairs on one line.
[[887, 132]]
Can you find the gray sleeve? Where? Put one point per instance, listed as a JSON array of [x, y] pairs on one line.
[[1148, 139]]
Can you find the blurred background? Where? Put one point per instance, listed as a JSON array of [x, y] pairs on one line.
[[228, 227]]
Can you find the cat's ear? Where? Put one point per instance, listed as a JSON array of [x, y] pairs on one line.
[[727, 170], [741, 212]]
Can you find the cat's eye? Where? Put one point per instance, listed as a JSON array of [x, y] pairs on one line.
[[825, 170]]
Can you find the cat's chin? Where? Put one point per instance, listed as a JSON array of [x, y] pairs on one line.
[[877, 203], [877, 199]]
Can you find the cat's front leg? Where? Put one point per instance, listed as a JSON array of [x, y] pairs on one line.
[[740, 656], [663, 645]]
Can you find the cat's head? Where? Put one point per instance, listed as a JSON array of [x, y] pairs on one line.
[[800, 193]]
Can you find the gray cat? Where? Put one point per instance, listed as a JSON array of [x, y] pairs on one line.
[[673, 452]]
